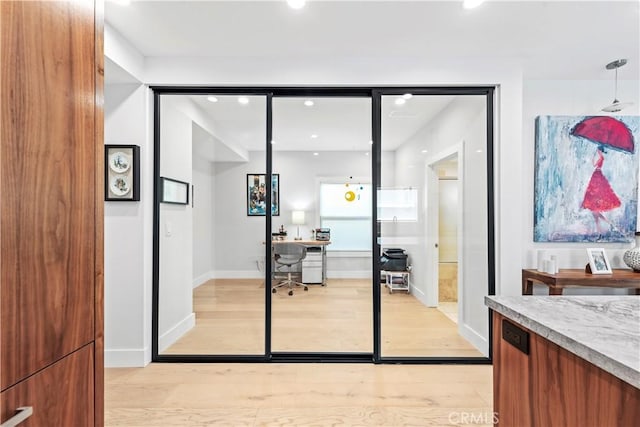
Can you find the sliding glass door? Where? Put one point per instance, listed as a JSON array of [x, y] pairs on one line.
[[211, 251], [322, 155], [432, 212], [323, 224]]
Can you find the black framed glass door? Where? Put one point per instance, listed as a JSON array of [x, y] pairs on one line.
[[332, 170]]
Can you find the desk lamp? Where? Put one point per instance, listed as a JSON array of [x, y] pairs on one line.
[[297, 218]]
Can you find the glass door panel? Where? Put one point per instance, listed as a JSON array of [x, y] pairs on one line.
[[432, 213], [321, 282], [212, 251]]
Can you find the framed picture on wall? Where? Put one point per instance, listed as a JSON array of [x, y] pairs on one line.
[[598, 261], [174, 191], [256, 194], [122, 173]]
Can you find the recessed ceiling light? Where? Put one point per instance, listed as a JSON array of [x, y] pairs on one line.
[[400, 101], [243, 100], [407, 96], [308, 103], [121, 2], [296, 4], [424, 151], [478, 151], [315, 154], [273, 142], [366, 154], [471, 4], [314, 136], [370, 142], [212, 99]]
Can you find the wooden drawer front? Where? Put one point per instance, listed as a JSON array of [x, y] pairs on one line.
[[61, 395], [47, 170]]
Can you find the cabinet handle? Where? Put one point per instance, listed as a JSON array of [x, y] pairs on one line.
[[23, 413]]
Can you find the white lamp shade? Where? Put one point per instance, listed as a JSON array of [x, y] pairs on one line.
[[297, 217]]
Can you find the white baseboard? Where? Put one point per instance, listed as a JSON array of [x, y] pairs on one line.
[[419, 295], [474, 338], [237, 274], [173, 334], [127, 358], [202, 279], [250, 274], [349, 274]]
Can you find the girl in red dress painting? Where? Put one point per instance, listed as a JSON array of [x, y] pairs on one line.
[[599, 196]]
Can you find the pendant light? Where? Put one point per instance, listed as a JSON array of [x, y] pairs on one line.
[[616, 105]]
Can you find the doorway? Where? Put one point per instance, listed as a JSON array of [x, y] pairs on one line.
[[273, 165]]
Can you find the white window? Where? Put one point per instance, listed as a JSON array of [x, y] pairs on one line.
[[346, 210]]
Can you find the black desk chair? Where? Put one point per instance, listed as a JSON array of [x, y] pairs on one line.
[[285, 256]]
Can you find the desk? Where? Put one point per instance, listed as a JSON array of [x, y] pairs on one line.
[[577, 278], [309, 264]]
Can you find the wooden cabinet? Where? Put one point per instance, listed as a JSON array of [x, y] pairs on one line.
[[550, 386], [51, 216]]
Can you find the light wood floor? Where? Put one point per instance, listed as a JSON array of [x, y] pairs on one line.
[[336, 318], [198, 395]]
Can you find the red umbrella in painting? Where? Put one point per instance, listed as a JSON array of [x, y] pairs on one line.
[[608, 133]]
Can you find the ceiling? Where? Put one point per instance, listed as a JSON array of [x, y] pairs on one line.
[[550, 39]]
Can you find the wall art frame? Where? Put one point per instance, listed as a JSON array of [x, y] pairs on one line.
[[174, 191], [256, 194], [121, 173]]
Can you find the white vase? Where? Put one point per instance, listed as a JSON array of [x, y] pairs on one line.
[[632, 256]]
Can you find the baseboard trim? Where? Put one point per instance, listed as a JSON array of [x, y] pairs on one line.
[[237, 274], [173, 334], [202, 279], [349, 274], [474, 338], [126, 358]]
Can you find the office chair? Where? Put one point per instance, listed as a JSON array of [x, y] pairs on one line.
[[286, 255]]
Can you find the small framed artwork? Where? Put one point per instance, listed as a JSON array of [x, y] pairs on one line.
[[122, 173], [256, 194], [174, 191], [598, 261]]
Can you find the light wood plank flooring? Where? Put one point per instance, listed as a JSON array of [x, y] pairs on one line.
[[198, 395], [335, 318]]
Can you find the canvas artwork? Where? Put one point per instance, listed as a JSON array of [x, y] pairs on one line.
[[256, 194], [586, 178]]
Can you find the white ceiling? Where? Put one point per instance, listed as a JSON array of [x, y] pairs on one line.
[[551, 39], [339, 124], [554, 39]]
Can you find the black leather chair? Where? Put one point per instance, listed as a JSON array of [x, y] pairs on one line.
[[285, 256]]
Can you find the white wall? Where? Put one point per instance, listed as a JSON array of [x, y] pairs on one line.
[[203, 215], [544, 97], [128, 235], [462, 120], [239, 237], [176, 229]]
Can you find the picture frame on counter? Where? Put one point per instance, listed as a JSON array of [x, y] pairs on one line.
[[598, 261], [121, 173]]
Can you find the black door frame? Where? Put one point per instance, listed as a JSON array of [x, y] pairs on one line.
[[375, 94]]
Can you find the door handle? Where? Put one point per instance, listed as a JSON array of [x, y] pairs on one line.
[[24, 412]]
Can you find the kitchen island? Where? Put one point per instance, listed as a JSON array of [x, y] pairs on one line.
[[566, 360]]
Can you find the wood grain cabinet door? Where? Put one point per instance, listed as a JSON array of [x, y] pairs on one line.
[[60, 395], [47, 183]]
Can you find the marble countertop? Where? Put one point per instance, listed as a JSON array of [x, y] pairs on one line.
[[604, 330]]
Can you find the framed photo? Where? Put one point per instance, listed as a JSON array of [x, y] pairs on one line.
[[257, 191], [174, 191], [121, 173], [598, 261]]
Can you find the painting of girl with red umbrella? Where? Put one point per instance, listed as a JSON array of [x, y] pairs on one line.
[[586, 183]]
